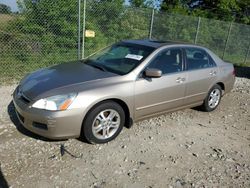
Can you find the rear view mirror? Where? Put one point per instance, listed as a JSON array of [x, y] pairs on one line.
[[153, 73]]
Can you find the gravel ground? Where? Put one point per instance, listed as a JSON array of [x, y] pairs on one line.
[[188, 148]]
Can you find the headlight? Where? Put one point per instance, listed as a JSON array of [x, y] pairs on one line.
[[58, 102]]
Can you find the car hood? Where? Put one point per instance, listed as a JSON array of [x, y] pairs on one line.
[[59, 76]]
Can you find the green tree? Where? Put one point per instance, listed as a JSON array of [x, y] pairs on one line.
[[112, 22], [4, 9], [227, 10], [243, 15], [218, 9], [137, 3], [145, 3], [174, 6], [45, 31], [51, 22]]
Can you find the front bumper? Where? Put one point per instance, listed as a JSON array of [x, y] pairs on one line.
[[49, 124]]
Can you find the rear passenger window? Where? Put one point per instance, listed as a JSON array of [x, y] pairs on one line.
[[197, 59]]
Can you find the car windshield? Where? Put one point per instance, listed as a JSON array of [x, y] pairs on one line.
[[120, 58]]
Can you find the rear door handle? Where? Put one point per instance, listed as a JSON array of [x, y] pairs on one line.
[[212, 73]]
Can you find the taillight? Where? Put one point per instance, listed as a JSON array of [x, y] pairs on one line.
[[233, 72]]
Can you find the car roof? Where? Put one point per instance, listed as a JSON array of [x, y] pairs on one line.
[[157, 43]]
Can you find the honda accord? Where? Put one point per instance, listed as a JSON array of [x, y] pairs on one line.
[[126, 82]]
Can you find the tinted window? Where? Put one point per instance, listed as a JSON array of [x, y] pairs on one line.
[[120, 58], [211, 61], [168, 61], [197, 59]]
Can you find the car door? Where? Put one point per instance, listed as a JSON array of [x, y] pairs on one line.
[[155, 95], [201, 74]]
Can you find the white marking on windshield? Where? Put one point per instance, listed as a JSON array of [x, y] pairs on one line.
[[134, 56]]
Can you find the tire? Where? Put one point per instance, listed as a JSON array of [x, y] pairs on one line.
[[213, 99], [103, 123]]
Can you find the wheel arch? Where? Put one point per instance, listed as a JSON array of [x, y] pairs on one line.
[[219, 83], [128, 119], [222, 85]]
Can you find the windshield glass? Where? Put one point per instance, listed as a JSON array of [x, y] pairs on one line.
[[120, 58]]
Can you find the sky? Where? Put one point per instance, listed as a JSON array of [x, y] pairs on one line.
[[11, 3]]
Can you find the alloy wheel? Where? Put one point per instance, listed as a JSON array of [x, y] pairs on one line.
[[214, 98], [106, 124]]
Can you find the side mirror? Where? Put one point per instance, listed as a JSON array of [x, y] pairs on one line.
[[153, 73]]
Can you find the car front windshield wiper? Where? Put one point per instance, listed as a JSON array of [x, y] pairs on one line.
[[98, 66]]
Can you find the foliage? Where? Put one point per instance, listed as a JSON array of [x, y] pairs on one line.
[[137, 3], [227, 10], [112, 21], [4, 9], [44, 28]]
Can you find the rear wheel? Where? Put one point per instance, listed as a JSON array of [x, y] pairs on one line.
[[213, 98], [103, 123]]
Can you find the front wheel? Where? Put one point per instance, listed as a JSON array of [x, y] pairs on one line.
[[103, 123], [213, 98]]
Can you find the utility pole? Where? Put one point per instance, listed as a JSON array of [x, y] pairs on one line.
[[79, 31], [228, 35], [151, 24], [83, 30], [197, 30]]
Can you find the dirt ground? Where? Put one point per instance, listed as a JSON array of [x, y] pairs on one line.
[[188, 148]]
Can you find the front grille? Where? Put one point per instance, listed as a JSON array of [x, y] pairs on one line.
[[20, 117], [40, 125]]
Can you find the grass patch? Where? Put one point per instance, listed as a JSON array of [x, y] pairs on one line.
[[5, 19], [12, 69]]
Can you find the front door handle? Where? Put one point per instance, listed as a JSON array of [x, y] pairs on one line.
[[180, 80]]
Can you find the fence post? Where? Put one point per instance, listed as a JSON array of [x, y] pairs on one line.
[[83, 30], [248, 50], [197, 30], [228, 35], [79, 31], [151, 24]]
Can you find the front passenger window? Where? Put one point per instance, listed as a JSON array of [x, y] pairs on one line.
[[168, 61]]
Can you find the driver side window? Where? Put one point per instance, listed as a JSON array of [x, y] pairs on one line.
[[168, 61]]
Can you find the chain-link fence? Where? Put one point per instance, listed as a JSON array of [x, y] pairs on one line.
[[231, 41], [43, 35], [49, 32], [112, 23]]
